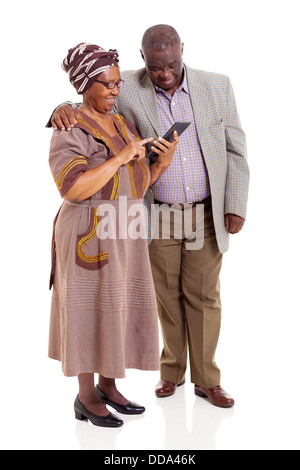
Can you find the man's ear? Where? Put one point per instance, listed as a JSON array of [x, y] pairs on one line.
[[142, 55]]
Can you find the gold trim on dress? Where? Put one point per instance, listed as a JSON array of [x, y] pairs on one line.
[[67, 168], [116, 187], [132, 183], [97, 133], [124, 128], [145, 176], [120, 119], [83, 241]]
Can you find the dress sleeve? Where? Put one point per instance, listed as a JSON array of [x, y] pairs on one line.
[[68, 158]]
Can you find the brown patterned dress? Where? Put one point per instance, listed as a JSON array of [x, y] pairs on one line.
[[104, 312]]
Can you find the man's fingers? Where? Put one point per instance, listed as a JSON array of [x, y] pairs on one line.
[[165, 145], [233, 223], [65, 119], [168, 144], [58, 122], [69, 112], [53, 124], [164, 142], [176, 138], [234, 228], [162, 145]]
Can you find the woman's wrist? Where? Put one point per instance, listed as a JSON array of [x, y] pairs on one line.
[[119, 160]]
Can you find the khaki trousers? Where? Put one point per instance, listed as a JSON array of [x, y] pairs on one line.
[[188, 293]]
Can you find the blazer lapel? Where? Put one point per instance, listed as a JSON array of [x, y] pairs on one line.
[[148, 100], [199, 98]]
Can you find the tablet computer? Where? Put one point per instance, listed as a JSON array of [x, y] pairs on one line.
[[179, 126]]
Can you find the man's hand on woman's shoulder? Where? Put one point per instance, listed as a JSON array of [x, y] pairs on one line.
[[63, 118]]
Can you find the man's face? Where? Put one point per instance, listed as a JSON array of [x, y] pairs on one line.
[[165, 67]]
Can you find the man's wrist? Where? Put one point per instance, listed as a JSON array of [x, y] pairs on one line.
[[161, 167], [70, 103]]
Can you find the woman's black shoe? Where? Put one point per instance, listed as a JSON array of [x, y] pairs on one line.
[[109, 421], [130, 409]]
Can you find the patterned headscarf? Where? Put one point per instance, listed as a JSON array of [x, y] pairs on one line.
[[85, 62]]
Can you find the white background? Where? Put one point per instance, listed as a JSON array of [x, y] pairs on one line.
[[256, 43]]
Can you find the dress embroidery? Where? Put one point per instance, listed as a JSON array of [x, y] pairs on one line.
[[99, 135], [145, 175], [116, 187], [80, 160], [135, 193], [83, 260], [132, 183], [120, 120]]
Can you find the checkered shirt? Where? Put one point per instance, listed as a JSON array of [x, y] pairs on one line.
[[186, 179]]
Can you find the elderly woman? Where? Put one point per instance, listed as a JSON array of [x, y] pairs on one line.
[[104, 313]]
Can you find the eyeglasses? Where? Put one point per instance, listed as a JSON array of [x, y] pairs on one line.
[[111, 85]]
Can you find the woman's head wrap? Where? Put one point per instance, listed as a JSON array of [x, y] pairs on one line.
[[85, 62]]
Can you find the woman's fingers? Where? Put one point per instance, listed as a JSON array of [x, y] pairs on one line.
[[141, 152], [145, 141]]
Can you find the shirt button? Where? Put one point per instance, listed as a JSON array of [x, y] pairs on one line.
[[173, 104], [184, 159], [188, 189]]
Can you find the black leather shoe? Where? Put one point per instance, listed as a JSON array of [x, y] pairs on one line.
[[130, 409], [109, 421]]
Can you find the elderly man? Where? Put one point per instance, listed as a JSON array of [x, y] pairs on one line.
[[209, 167]]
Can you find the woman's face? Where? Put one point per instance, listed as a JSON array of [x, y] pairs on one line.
[[101, 98]]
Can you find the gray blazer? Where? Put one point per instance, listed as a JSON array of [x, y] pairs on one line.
[[220, 134]]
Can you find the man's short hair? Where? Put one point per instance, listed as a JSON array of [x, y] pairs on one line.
[[160, 37]]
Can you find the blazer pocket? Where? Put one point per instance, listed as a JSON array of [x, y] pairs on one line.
[[217, 123], [213, 144]]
